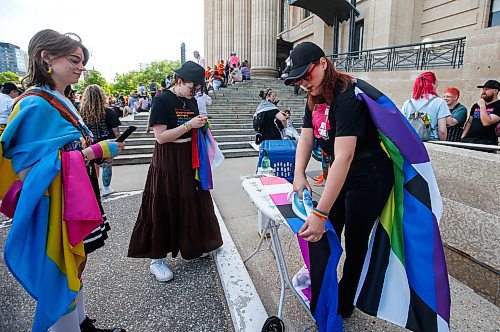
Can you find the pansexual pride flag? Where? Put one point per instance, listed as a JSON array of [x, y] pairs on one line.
[[37, 250], [404, 278]]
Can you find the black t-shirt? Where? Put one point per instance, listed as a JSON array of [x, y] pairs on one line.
[[347, 116], [270, 130], [104, 130], [477, 129], [173, 111]]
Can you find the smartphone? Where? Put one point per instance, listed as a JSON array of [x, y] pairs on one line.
[[126, 133]]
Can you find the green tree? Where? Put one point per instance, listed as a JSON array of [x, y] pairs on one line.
[[158, 70], [92, 77], [8, 76]]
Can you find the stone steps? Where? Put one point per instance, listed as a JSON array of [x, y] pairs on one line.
[[230, 118]]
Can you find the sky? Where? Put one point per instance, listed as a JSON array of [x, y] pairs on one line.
[[119, 34]]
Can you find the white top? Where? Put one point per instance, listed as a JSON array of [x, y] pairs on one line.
[[200, 61], [437, 109], [203, 101], [5, 108]]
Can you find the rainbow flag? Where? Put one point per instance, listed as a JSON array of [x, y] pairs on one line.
[[37, 251], [404, 278]]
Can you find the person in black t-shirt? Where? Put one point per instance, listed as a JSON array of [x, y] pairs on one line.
[[484, 116], [104, 124], [176, 214], [273, 121], [361, 175]]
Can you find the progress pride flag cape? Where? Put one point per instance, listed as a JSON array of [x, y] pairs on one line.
[[404, 278]]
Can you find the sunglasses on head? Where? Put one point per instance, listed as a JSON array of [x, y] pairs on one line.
[[307, 76]]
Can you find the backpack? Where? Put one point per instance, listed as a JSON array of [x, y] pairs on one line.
[[258, 120], [419, 120]]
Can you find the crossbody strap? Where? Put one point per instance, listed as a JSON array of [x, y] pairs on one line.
[[59, 106]]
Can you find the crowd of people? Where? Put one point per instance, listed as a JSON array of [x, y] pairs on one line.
[[225, 72], [40, 138]]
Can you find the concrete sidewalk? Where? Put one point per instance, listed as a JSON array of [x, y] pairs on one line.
[[122, 292], [470, 311]]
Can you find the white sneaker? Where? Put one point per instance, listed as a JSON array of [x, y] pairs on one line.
[[106, 191], [160, 270]]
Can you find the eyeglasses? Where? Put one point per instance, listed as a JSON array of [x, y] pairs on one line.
[[307, 76]]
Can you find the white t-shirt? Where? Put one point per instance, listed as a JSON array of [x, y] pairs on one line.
[[437, 109], [5, 107], [203, 100]]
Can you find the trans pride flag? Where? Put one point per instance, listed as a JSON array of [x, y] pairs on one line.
[[404, 278], [206, 156], [37, 251]]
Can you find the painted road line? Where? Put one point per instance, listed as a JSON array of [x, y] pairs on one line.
[[246, 308]]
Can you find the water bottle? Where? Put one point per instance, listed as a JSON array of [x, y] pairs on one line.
[[266, 163]]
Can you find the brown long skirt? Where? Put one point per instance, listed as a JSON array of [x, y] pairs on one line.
[[176, 214]]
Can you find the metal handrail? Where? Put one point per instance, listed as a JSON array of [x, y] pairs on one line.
[[444, 53]]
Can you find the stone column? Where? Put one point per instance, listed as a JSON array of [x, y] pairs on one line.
[[208, 31], [242, 29], [216, 31], [264, 14], [227, 28]]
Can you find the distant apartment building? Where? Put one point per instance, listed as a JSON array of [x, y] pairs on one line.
[[263, 31], [13, 59]]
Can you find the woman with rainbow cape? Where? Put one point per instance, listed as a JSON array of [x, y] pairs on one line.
[[49, 187], [380, 183]]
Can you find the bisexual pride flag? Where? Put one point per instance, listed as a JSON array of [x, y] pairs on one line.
[[404, 278]]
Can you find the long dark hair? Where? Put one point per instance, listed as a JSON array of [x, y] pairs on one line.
[[332, 82], [56, 44]]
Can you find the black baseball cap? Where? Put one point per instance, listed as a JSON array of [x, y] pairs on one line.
[[191, 72], [8, 87], [491, 84], [302, 56]]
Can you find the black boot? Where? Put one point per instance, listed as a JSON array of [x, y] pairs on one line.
[[88, 326]]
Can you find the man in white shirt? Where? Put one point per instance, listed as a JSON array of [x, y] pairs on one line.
[[9, 91], [198, 59]]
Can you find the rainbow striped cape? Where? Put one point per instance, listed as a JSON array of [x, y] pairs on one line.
[[404, 278], [37, 251]]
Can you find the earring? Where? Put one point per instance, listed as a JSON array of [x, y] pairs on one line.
[[49, 71]]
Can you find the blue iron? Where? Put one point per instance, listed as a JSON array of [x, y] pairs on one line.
[[302, 207]]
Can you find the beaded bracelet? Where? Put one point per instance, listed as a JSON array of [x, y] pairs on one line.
[[320, 214]]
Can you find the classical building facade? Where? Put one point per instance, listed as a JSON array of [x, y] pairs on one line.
[[263, 31]]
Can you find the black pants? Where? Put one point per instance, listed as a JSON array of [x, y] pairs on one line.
[[360, 202]]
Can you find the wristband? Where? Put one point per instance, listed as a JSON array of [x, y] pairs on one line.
[[97, 149], [109, 149], [320, 214], [186, 127]]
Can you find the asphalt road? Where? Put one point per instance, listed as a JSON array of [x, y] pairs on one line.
[[120, 291]]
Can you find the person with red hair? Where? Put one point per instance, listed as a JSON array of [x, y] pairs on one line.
[[455, 123], [426, 104]]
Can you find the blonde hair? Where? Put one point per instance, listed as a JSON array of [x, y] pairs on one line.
[[93, 105]]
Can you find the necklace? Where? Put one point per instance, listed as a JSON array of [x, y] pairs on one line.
[[181, 100]]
